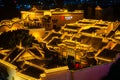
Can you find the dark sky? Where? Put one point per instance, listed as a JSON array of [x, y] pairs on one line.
[[9, 10]]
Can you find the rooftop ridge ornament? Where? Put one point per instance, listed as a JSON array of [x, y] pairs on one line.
[[98, 8], [33, 9]]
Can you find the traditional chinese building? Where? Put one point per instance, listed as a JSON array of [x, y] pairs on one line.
[[50, 18]]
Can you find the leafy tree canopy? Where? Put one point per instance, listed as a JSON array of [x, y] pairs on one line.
[[12, 38]]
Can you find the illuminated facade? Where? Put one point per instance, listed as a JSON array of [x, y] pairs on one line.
[[50, 18], [67, 17], [7, 25], [84, 40]]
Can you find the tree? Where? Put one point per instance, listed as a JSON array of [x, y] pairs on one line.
[[12, 38]]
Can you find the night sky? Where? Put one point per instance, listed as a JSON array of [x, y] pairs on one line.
[[12, 8]]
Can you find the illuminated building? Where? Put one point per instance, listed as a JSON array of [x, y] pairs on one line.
[[85, 34], [67, 17], [85, 39], [50, 18], [7, 25]]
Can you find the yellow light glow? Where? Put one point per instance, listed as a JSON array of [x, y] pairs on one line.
[[64, 54], [47, 13], [77, 57], [56, 69], [37, 33]]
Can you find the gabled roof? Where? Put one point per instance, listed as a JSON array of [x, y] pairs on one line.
[[32, 69], [107, 55], [91, 30], [95, 42], [13, 55], [113, 28], [116, 47], [34, 8], [24, 54], [71, 28], [4, 28], [13, 26], [51, 35], [4, 53], [55, 41], [74, 26]]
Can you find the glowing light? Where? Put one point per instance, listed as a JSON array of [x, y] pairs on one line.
[[68, 17], [37, 33], [62, 17], [56, 69]]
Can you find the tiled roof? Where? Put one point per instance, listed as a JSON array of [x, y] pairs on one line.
[[14, 54], [117, 47], [51, 35], [72, 27], [32, 71], [55, 42], [108, 54], [90, 30], [36, 52]]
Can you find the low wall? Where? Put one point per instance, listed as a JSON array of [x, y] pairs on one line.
[[92, 73]]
